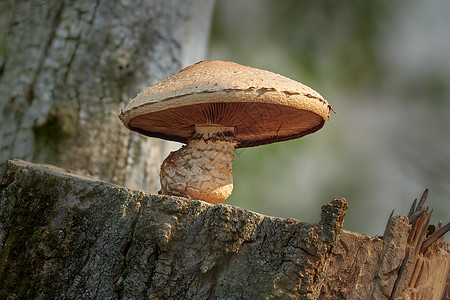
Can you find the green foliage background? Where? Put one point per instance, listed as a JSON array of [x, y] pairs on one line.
[[384, 67]]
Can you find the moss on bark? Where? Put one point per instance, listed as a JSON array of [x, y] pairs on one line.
[[65, 236]]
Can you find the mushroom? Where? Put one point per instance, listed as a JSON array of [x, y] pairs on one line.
[[215, 107]]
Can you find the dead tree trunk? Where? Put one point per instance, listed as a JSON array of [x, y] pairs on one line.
[[67, 67], [68, 237], [410, 261]]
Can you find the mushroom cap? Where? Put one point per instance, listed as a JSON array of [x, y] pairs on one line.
[[263, 107]]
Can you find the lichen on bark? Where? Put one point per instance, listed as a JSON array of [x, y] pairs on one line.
[[64, 236], [80, 238], [67, 68]]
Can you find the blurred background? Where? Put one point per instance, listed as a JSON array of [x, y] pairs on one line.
[[384, 66]]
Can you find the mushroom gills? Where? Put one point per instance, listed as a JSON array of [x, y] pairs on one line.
[[202, 169]]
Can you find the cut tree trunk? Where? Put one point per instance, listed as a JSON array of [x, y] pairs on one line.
[[63, 236], [67, 68], [67, 237]]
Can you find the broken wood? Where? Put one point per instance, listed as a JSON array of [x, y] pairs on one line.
[[408, 262], [63, 236]]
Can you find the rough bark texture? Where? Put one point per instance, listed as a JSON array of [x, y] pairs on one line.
[[67, 67], [67, 237], [63, 236]]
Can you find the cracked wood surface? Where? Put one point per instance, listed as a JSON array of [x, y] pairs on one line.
[[64, 236], [67, 237], [67, 68], [410, 261]]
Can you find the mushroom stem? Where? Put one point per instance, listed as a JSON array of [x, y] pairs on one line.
[[202, 168]]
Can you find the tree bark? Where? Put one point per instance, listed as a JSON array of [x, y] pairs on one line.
[[67, 67], [64, 236], [68, 237]]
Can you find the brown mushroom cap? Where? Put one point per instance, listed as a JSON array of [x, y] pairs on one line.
[[263, 107]]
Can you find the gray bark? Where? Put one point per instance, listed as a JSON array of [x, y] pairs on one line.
[[67, 237], [67, 67], [64, 236]]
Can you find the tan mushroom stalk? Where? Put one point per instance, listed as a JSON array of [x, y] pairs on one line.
[[202, 168], [214, 107]]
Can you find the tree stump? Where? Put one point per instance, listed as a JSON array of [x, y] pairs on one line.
[[63, 236]]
